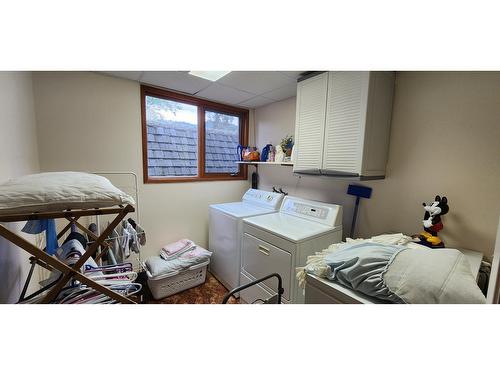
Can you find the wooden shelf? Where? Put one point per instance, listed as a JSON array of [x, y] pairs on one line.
[[283, 163]]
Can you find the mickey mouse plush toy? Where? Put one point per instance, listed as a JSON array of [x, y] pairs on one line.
[[432, 222]]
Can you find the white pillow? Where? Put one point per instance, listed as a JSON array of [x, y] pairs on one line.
[[424, 275], [57, 191]]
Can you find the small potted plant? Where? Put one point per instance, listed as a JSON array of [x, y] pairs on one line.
[[287, 145]]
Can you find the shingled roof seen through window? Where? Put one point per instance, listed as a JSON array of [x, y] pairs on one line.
[[173, 149]]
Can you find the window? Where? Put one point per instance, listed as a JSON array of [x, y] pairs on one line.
[[190, 139]]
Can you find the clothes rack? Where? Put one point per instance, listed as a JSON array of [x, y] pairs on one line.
[[128, 182], [68, 272]]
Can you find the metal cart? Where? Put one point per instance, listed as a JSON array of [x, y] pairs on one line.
[[274, 299]]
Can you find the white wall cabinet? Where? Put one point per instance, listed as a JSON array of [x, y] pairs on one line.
[[343, 124]]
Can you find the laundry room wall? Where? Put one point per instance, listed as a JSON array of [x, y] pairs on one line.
[[445, 139], [18, 156], [92, 122]]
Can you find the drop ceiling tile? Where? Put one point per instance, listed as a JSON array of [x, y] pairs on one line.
[[294, 75], [220, 93], [282, 93], [256, 82], [134, 76], [257, 101], [179, 81]]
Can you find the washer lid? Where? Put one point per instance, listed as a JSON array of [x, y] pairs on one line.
[[289, 227], [241, 209]]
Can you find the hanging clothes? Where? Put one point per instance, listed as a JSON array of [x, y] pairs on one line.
[[47, 225], [141, 234], [93, 228], [76, 236], [124, 239], [69, 253], [115, 246], [134, 240], [129, 240]]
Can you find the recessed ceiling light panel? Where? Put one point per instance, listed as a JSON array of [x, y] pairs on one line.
[[211, 75]]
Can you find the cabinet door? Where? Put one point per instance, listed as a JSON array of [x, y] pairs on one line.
[[310, 124], [345, 122]]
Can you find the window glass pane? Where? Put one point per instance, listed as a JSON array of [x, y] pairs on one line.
[[222, 136], [172, 129]]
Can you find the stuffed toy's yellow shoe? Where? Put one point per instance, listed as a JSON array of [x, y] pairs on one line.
[[425, 234], [433, 240]]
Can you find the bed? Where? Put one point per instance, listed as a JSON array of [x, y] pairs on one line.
[[63, 195], [391, 269]]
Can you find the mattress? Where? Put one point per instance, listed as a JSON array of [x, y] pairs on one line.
[[58, 191]]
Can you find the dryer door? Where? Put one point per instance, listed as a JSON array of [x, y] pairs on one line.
[[224, 242], [260, 259]]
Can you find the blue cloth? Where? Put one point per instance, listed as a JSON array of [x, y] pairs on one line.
[[47, 225], [265, 152], [361, 267]]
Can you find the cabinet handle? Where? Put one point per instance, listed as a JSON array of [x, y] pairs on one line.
[[264, 250]]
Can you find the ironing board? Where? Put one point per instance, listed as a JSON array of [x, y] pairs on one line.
[[69, 272]]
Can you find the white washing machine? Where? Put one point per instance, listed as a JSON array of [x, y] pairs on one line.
[[225, 230], [280, 242]]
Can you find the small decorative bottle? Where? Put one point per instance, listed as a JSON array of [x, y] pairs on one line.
[[271, 155]]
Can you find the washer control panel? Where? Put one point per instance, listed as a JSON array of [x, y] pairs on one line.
[[263, 198]]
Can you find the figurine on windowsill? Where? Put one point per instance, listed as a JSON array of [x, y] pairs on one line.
[[432, 223]]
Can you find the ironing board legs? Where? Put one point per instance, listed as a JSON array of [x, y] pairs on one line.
[[28, 279], [38, 253], [90, 252], [34, 261]]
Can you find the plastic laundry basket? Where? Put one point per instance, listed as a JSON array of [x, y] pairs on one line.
[[175, 282]]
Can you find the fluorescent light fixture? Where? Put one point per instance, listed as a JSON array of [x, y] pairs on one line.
[[211, 75]]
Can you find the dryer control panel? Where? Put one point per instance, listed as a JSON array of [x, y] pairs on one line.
[[324, 213], [263, 198]]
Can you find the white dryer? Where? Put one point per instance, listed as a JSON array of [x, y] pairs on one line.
[[225, 230], [280, 242]]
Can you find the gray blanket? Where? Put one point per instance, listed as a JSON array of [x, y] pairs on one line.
[[361, 267]]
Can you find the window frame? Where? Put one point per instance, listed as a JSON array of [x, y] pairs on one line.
[[203, 106]]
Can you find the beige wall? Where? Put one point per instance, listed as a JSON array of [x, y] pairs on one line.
[[445, 139], [91, 122], [18, 156]]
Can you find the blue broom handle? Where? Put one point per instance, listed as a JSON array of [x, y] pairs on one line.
[[355, 214]]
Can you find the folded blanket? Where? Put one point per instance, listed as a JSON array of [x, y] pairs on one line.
[[188, 248], [158, 266], [174, 249]]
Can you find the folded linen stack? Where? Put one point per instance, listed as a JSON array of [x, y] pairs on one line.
[[177, 256], [176, 249]]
